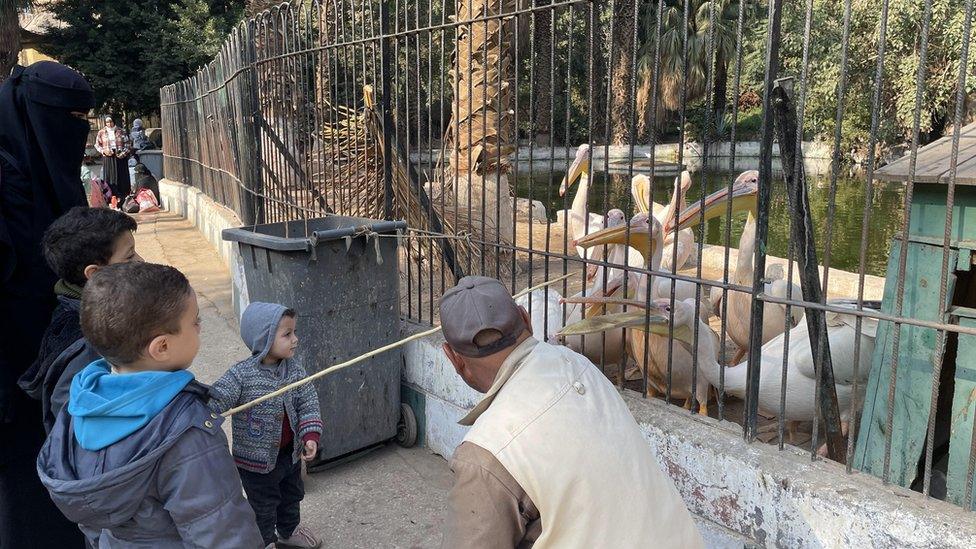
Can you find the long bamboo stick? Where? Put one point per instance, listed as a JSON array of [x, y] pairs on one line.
[[362, 357]]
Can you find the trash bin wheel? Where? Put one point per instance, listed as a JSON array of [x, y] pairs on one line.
[[407, 427]]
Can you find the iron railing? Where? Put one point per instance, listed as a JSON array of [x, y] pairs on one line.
[[440, 113]]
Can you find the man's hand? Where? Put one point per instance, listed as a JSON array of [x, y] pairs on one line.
[[311, 449]]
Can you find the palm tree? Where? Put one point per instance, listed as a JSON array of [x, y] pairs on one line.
[[10, 34], [622, 70], [482, 126], [542, 94], [672, 63]]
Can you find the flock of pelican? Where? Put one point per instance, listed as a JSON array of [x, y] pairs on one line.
[[647, 328]]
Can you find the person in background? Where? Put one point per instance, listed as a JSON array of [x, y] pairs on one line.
[[145, 180], [86, 177], [113, 145], [43, 128], [139, 142], [553, 458], [137, 136]]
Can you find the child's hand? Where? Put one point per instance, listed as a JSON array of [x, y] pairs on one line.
[[311, 448]]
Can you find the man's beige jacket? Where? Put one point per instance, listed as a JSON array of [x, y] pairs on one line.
[[559, 428]]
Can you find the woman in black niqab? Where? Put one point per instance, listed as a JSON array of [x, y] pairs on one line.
[[42, 141]]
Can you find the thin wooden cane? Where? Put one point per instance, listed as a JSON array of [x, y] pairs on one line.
[[360, 358]]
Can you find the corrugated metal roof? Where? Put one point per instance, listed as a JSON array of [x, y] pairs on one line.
[[934, 161]]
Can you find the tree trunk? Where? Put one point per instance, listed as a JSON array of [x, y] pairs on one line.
[[720, 99], [542, 92], [622, 74], [598, 81], [9, 37], [483, 122]]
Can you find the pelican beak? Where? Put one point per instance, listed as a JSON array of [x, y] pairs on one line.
[[640, 189], [580, 166], [659, 325], [654, 318], [640, 238], [743, 196], [603, 323], [613, 286], [612, 235]]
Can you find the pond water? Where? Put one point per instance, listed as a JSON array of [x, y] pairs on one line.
[[887, 202]]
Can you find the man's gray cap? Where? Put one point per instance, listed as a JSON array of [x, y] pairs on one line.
[[476, 304]]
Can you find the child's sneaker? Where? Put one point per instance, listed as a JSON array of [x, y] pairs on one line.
[[301, 537]]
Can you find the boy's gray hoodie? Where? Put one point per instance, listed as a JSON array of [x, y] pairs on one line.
[[168, 485], [257, 431]]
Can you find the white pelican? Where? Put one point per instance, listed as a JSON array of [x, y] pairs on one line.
[[740, 303], [801, 380], [645, 235], [667, 215], [580, 221], [546, 311], [661, 286]]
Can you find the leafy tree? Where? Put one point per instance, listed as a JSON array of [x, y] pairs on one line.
[[706, 44], [10, 34], [128, 50], [896, 112]]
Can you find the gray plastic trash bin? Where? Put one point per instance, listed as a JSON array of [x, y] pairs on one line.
[[348, 302]]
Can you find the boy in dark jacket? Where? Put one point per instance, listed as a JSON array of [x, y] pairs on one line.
[[270, 438], [136, 458], [75, 246]]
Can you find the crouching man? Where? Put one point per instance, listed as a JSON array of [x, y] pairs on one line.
[[553, 458]]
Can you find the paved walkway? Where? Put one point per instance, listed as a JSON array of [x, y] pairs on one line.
[[392, 497]]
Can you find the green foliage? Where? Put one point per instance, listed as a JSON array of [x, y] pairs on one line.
[[749, 124], [128, 50], [898, 84]]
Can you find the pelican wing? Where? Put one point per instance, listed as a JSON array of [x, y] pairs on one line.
[[869, 326], [842, 340], [545, 311], [781, 288]]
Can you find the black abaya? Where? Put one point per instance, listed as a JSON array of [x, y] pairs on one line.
[[41, 148], [115, 171]]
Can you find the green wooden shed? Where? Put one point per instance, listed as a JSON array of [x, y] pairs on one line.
[[916, 353]]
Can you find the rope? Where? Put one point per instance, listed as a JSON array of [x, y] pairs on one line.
[[370, 354], [419, 234]]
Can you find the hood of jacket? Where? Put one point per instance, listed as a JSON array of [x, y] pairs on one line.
[[259, 325], [107, 488], [107, 407]]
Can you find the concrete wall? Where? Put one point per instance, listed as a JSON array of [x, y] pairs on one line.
[[738, 492], [741, 494], [816, 155]]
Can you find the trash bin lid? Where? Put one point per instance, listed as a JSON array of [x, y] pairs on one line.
[[320, 230]]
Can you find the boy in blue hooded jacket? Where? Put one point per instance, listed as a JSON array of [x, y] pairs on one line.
[[270, 438], [136, 458]]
